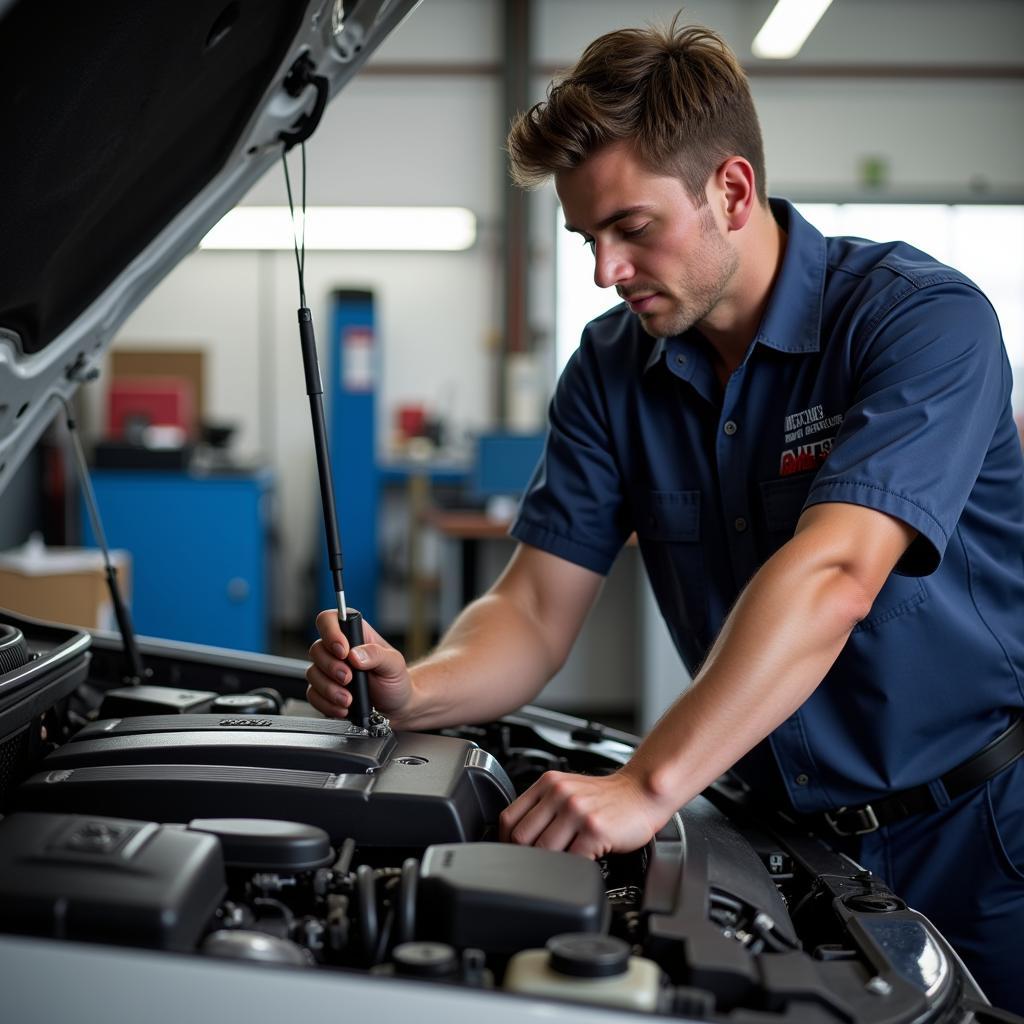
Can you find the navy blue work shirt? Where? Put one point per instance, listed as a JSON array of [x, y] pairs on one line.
[[877, 377]]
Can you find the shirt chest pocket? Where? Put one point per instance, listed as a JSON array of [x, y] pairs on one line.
[[670, 517], [668, 529], [783, 502]]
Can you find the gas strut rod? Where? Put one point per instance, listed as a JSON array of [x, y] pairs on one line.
[[351, 621], [136, 671]]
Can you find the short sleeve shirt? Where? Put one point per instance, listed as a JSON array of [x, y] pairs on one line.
[[877, 377]]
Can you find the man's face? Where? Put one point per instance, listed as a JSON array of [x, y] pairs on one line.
[[668, 259]]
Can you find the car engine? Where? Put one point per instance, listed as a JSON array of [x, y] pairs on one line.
[[211, 813]]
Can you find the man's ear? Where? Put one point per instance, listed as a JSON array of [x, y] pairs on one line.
[[737, 190]]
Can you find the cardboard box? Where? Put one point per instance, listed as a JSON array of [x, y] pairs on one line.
[[67, 585]]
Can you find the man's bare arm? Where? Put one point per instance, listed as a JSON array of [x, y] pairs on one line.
[[776, 646]]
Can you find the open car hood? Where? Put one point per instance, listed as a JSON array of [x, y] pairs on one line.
[[130, 131]]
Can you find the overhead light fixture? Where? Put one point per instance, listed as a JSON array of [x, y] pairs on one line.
[[361, 228], [787, 27]]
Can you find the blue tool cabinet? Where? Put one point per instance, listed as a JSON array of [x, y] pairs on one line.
[[199, 547]]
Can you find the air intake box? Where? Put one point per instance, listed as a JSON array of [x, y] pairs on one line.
[[99, 879]]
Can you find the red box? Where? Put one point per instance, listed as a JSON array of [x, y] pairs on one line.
[[155, 401]]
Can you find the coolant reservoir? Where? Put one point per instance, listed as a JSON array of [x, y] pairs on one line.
[[594, 968]]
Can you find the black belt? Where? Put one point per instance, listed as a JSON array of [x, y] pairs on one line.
[[989, 761]]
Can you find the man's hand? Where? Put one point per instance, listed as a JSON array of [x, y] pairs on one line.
[[583, 814], [387, 674]]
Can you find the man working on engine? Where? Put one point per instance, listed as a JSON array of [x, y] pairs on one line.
[[812, 439]]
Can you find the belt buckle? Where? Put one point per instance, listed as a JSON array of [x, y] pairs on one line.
[[864, 821]]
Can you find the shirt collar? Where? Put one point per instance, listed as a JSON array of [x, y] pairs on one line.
[[792, 319], [657, 351]]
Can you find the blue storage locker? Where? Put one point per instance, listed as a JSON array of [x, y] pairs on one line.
[[199, 547]]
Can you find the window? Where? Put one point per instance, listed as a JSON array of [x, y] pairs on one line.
[[986, 242]]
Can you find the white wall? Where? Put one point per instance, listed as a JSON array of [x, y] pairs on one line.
[[435, 139]]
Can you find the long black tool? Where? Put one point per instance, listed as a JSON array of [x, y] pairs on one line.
[[351, 621]]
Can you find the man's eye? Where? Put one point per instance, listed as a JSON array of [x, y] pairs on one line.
[[589, 243], [635, 232]]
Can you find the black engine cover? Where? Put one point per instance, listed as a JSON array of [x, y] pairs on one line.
[[403, 789]]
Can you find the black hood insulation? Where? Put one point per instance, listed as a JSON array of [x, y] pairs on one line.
[[90, 175]]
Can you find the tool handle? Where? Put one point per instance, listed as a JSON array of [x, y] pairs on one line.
[[359, 709]]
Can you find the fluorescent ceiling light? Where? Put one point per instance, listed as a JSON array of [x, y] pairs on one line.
[[363, 228], [786, 29]]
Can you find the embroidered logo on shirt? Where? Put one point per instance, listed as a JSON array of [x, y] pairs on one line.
[[811, 453]]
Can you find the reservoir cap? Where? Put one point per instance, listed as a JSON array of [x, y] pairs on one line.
[[582, 955]]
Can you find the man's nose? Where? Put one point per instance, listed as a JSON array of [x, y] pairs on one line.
[[610, 265]]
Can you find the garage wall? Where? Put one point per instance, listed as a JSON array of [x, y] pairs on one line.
[[401, 138]]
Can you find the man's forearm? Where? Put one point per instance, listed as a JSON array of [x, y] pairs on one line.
[[505, 646], [488, 664], [765, 663]]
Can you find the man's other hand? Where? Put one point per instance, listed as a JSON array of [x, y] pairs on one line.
[[331, 670], [583, 814]]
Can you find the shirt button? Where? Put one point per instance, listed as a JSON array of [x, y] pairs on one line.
[[730, 427], [740, 523], [802, 779]]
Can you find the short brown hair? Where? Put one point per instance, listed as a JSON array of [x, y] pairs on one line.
[[677, 93]]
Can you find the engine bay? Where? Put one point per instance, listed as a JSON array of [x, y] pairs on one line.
[[211, 813]]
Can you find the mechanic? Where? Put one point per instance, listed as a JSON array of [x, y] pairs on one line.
[[813, 441]]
